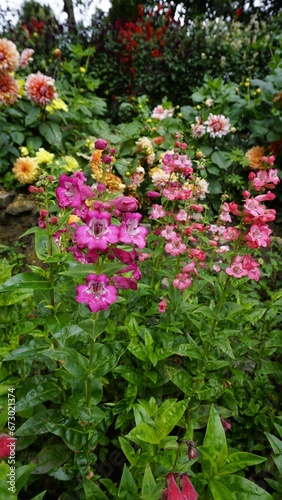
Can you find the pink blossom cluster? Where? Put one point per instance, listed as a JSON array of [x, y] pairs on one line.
[[95, 236], [215, 126], [181, 225]]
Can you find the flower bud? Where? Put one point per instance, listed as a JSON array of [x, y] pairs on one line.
[[100, 144]]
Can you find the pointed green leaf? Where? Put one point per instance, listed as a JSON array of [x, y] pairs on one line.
[[243, 489], [149, 482], [127, 488], [240, 460], [166, 420], [144, 432]]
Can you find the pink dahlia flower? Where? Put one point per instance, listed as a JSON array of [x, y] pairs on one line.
[[40, 89], [26, 57], [9, 90], [9, 56], [217, 125]]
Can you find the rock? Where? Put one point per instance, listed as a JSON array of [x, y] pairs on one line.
[[6, 197], [22, 203]]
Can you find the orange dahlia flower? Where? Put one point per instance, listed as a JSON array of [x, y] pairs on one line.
[[9, 56], [40, 88], [254, 156], [9, 90], [25, 170]]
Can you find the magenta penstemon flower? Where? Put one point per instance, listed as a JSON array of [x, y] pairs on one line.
[[131, 232], [97, 293], [97, 233], [72, 192], [172, 492]]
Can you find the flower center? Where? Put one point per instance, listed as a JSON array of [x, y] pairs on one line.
[[98, 227], [2, 56], [97, 289]]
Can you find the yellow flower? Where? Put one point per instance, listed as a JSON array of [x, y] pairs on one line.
[[82, 70], [70, 164], [57, 104], [43, 156], [26, 170], [24, 151]]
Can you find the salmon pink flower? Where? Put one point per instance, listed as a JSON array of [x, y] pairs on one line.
[[26, 57], [175, 246], [9, 90], [9, 56], [162, 306], [40, 89], [97, 293], [182, 281], [258, 236]]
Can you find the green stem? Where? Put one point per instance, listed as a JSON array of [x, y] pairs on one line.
[[51, 275], [90, 367]]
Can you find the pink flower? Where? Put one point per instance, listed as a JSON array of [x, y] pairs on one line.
[[96, 293], [122, 282], [26, 57], [153, 194], [125, 204], [217, 125], [97, 233], [258, 236], [198, 129], [157, 212], [162, 306], [197, 254], [7, 444], [72, 191], [131, 232], [175, 247], [231, 234], [182, 281], [40, 89], [9, 89], [244, 266], [168, 233], [172, 492]]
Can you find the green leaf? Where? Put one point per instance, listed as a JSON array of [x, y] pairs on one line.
[[51, 132], [73, 362], [105, 358], [221, 160], [22, 475], [32, 116], [240, 460], [42, 244], [214, 444], [44, 391], [243, 489], [275, 443], [220, 491], [149, 482], [50, 458], [181, 379], [128, 450], [75, 438], [40, 496], [127, 488], [144, 432], [93, 328], [92, 491], [167, 418], [25, 281], [36, 424]]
